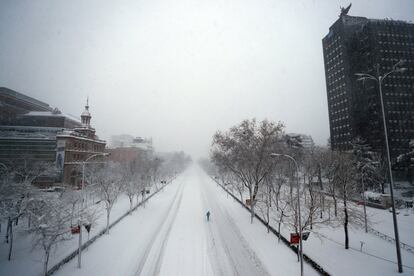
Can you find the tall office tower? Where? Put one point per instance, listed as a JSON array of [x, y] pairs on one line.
[[361, 45]]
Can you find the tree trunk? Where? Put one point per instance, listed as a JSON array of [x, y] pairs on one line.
[[8, 230], [346, 224], [29, 220], [278, 230], [280, 222], [251, 210], [335, 206], [130, 204], [108, 212], [268, 218], [10, 239], [321, 191], [311, 209], [46, 261]]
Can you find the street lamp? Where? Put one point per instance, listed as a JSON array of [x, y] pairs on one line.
[[299, 215], [378, 78], [80, 220]]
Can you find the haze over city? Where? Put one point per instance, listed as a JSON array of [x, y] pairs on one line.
[[177, 71]]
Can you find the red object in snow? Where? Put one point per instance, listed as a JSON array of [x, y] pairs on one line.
[[294, 238], [75, 229]]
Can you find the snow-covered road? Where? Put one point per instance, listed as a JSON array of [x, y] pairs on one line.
[[171, 236]]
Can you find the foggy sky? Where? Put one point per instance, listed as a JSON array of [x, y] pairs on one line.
[[179, 70]]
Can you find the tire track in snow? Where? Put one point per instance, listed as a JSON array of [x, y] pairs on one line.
[[214, 255], [157, 243], [238, 262]]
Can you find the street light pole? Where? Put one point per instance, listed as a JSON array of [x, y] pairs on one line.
[[380, 79], [299, 214], [80, 219]]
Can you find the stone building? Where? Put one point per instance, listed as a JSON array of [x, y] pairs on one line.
[[75, 146]]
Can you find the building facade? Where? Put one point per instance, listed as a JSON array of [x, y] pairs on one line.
[[28, 128], [74, 147], [361, 45]]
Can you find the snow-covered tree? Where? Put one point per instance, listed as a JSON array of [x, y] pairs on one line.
[[344, 179], [51, 224], [245, 151], [16, 191], [106, 181]]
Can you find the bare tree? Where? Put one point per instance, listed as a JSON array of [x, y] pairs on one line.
[[51, 224], [345, 180], [17, 191], [245, 152], [106, 180], [129, 183]]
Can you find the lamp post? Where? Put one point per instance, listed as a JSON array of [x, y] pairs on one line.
[[299, 215], [380, 78], [80, 220]]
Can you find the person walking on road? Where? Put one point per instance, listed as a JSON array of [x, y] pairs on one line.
[[208, 215]]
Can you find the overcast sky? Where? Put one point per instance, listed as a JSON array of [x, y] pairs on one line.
[[178, 70]]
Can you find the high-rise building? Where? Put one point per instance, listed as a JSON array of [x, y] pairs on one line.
[[361, 45]]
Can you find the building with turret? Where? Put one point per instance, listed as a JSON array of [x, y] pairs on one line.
[[75, 146]]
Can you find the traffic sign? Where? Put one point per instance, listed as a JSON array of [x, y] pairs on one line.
[[294, 238]]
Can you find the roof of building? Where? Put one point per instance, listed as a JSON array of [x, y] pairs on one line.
[[14, 94], [51, 114]]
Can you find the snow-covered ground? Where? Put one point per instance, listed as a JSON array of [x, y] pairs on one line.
[[377, 257], [171, 236], [26, 261]]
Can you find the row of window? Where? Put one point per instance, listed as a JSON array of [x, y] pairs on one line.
[[78, 157], [336, 64], [339, 71], [83, 146], [395, 35], [341, 94], [399, 94], [339, 118], [399, 112], [340, 135], [334, 58], [395, 43], [333, 42], [336, 80], [335, 52], [341, 102], [341, 127], [396, 130], [399, 103], [396, 52], [403, 85]]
